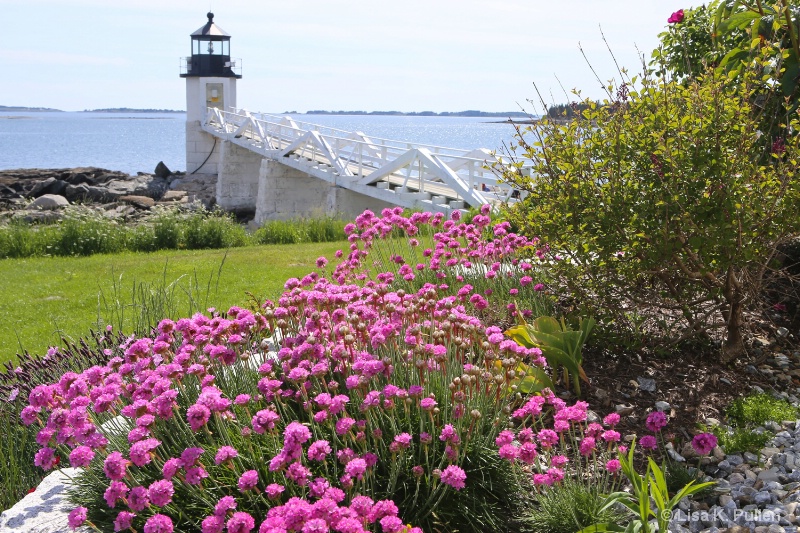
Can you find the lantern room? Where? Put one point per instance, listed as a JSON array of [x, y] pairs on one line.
[[211, 54]]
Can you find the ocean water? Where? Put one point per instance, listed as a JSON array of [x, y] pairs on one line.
[[136, 142]]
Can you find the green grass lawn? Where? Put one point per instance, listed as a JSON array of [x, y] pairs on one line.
[[42, 299]]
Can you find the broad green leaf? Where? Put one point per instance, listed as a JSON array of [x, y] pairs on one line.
[[521, 335], [547, 324]]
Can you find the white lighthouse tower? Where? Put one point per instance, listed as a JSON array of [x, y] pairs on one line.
[[211, 76]]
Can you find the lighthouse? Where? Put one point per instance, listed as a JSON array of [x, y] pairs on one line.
[[211, 76]]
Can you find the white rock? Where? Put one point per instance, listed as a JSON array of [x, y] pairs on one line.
[[47, 202], [43, 511]]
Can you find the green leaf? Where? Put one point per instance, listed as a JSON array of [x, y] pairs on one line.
[[547, 324], [739, 20], [598, 528], [536, 381], [521, 335]]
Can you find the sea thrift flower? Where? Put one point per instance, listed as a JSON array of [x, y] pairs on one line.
[[212, 524], [225, 453], [319, 450], [115, 466], [613, 466], [509, 452], [195, 475], [170, 468], [158, 523], [547, 438], [45, 458], [648, 442], [190, 456], [356, 468], [454, 476], [198, 415], [655, 421], [587, 445], [225, 504], [248, 480], [241, 523], [77, 517], [81, 456], [161, 492], [141, 452], [138, 499], [115, 491], [274, 491], [704, 443], [123, 521], [611, 419]]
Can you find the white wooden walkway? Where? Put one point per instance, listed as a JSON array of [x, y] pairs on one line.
[[406, 174]]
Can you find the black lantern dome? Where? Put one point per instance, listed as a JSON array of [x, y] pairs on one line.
[[211, 53]]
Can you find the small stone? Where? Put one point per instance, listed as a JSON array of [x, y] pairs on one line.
[[726, 381], [735, 459], [768, 475], [623, 410], [675, 456], [782, 332], [662, 406], [719, 455], [646, 384], [762, 498], [600, 394], [769, 452]]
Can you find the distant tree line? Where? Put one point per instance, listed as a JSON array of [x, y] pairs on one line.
[[570, 110]]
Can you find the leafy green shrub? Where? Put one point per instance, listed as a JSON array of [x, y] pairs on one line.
[[757, 409], [277, 232], [88, 233], [569, 507], [166, 231], [646, 201], [214, 230], [736, 36], [324, 229], [742, 439]]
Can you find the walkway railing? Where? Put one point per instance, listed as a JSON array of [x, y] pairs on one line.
[[416, 173]]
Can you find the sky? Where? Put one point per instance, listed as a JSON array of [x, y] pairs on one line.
[[299, 55]]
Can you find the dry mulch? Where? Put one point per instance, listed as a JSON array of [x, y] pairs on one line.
[[693, 382]]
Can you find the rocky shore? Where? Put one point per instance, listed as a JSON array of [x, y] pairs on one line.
[[37, 194]]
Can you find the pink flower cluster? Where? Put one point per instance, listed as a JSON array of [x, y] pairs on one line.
[[323, 415], [594, 444]]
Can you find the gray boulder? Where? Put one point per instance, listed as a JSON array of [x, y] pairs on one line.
[[77, 192]]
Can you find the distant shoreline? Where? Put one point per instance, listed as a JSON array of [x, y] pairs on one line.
[[469, 113]]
